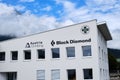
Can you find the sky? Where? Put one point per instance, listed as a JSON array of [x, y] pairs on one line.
[[25, 17]]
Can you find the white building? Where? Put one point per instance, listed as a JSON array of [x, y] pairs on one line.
[[75, 52]]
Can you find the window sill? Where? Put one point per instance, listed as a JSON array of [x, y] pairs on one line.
[[26, 60], [70, 58], [40, 60], [14, 61], [86, 57], [55, 58]]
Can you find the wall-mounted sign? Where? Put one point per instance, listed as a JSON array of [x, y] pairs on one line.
[[53, 42], [34, 44], [85, 29]]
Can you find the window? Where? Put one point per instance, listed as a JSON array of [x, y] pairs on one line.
[[2, 56], [71, 74], [10, 76], [70, 51], [55, 74], [88, 74], [99, 53], [14, 55], [107, 57], [55, 53], [41, 53], [103, 73], [86, 50], [100, 74], [27, 54], [102, 55], [41, 75]]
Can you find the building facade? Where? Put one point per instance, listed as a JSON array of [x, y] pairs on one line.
[[75, 52]]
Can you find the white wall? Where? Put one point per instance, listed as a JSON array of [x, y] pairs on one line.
[[103, 57]]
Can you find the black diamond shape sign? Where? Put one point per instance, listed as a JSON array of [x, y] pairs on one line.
[[52, 42]]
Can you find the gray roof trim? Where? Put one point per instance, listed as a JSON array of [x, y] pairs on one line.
[[102, 26]]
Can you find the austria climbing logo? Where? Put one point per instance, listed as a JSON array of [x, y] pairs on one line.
[[34, 44]]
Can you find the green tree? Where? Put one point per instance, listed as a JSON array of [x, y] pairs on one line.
[[119, 66], [113, 64]]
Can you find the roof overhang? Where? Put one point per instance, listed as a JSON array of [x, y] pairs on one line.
[[102, 26]]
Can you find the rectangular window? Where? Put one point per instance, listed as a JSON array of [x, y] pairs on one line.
[[2, 56], [41, 53], [99, 53], [27, 54], [55, 53], [71, 74], [70, 51], [55, 74], [41, 75], [14, 55], [88, 73], [102, 54], [86, 50]]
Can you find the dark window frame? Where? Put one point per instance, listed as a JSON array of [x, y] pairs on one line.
[[69, 75], [12, 58], [25, 55], [2, 56], [88, 75], [41, 56], [67, 50], [84, 51], [54, 54]]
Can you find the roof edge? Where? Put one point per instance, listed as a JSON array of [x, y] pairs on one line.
[[102, 26]]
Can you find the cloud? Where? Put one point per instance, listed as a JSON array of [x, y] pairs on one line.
[[5, 9], [116, 42], [25, 24], [48, 8], [27, 0], [19, 7], [103, 5], [89, 11], [101, 2]]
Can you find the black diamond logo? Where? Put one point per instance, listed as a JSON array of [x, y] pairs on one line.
[[85, 29], [52, 42]]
